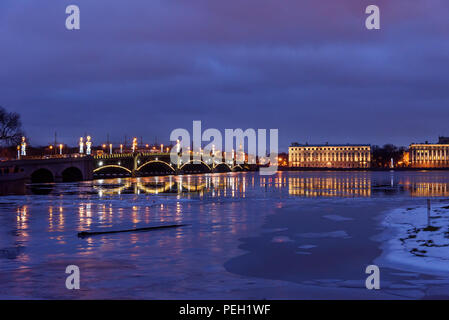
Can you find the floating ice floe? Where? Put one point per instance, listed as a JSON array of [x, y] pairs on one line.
[[281, 239], [307, 246], [336, 217], [275, 230], [332, 234]]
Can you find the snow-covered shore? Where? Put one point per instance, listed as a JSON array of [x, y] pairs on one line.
[[415, 241]]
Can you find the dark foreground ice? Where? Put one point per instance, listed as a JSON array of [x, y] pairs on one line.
[[296, 235]]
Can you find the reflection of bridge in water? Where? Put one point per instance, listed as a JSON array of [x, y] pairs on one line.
[[352, 185], [215, 185], [145, 164]]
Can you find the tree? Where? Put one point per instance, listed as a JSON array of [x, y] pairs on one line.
[[10, 128], [382, 155]]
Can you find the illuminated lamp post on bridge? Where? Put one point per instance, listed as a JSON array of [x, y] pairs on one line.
[[110, 148], [121, 148], [178, 152], [88, 145], [18, 152], [60, 149], [134, 145], [23, 146], [81, 145]]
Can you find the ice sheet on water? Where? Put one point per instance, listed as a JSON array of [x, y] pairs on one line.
[[123, 201], [416, 241]]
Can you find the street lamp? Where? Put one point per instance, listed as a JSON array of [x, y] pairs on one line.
[[110, 148], [60, 149], [134, 144], [18, 152], [81, 145], [88, 145], [121, 148], [23, 147]]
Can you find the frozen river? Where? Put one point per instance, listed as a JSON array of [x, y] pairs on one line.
[[295, 235]]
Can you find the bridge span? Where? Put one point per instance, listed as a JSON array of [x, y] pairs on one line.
[[76, 167], [150, 163]]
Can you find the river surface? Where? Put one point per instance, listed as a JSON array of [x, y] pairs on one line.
[[294, 235]]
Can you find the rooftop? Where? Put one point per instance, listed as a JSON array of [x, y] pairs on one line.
[[330, 145]]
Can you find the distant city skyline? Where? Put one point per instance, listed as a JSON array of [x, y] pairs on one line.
[[310, 69]]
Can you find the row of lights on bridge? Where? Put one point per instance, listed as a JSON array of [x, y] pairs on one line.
[[89, 143], [84, 147], [21, 149]]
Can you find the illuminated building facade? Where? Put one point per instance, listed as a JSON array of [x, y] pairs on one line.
[[329, 156], [429, 155]]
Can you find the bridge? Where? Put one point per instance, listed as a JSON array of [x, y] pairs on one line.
[[151, 163], [66, 168], [79, 167]]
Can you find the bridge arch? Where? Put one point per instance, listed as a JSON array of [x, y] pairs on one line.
[[164, 187], [191, 162], [156, 161], [42, 175], [72, 174], [111, 166], [223, 165]]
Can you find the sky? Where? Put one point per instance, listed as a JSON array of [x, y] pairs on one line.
[[308, 68]]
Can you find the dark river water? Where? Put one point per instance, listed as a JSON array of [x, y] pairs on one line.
[[294, 235]]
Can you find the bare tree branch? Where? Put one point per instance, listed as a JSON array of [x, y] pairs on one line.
[[10, 128]]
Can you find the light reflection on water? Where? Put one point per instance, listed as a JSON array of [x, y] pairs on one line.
[[110, 200], [39, 231]]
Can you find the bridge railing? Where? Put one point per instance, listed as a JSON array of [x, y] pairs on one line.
[[130, 155], [51, 156]]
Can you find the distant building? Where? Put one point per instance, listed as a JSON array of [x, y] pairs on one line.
[[443, 140], [329, 156], [429, 155]]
